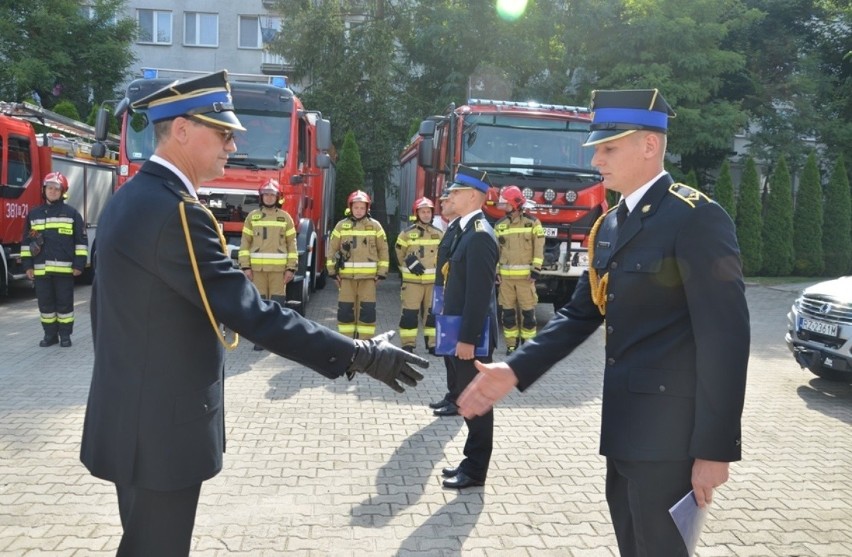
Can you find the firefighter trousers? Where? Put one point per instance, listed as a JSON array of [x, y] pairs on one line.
[[356, 308], [55, 294], [416, 308], [518, 299], [269, 283]]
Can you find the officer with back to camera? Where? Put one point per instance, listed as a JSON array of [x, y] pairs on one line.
[[154, 422]]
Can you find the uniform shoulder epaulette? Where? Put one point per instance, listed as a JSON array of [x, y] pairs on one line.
[[689, 195], [187, 198]]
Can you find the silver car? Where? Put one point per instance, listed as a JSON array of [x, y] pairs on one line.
[[819, 329]]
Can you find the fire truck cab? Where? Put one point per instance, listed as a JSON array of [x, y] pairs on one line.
[[282, 140], [27, 157], [536, 147]]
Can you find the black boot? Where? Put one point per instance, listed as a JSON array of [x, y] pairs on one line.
[[65, 342], [48, 341]]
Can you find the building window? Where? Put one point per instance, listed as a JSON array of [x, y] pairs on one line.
[[155, 27], [201, 29], [258, 31]]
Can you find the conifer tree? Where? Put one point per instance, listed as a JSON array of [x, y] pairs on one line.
[[723, 193], [778, 223], [837, 230], [350, 173], [749, 220], [807, 222]]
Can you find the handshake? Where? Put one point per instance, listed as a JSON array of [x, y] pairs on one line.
[[388, 363]]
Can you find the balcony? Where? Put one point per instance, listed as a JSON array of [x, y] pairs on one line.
[[273, 64]]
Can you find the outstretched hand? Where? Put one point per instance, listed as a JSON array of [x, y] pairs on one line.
[[491, 384], [382, 360]]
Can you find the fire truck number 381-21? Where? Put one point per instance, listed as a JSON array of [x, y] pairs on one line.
[[16, 210]]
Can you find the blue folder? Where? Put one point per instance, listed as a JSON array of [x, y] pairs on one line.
[[447, 335], [437, 300]]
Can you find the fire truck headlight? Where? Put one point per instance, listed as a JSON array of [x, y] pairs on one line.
[[570, 196], [549, 195], [528, 193]]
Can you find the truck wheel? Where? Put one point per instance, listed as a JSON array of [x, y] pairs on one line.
[[321, 280], [299, 293]]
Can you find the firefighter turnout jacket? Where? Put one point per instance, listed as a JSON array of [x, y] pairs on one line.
[[418, 244], [362, 247], [269, 241], [54, 241], [521, 240]]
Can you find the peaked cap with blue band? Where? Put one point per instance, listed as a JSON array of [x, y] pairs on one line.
[[619, 113], [470, 178], [206, 99]]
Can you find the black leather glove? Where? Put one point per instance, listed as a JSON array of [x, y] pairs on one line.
[[414, 265], [535, 275], [386, 362]]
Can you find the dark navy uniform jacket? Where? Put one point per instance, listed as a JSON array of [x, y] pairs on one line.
[[677, 330], [155, 415], [469, 290]]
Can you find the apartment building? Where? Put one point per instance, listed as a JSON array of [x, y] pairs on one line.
[[204, 36]]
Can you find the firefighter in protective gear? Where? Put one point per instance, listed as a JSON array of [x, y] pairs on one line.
[[268, 254], [417, 254], [54, 250], [521, 239], [357, 259]]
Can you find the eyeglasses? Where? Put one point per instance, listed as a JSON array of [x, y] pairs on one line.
[[226, 135]]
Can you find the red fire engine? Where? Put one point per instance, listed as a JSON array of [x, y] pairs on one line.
[[283, 141], [26, 158], [537, 147]]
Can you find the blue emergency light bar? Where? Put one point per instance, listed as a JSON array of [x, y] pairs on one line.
[[278, 81]]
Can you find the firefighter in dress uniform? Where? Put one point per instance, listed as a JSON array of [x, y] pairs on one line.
[[359, 259], [54, 251], [268, 253], [417, 254], [521, 239], [165, 286], [665, 275]]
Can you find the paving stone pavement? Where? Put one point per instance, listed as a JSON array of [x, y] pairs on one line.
[[317, 467]]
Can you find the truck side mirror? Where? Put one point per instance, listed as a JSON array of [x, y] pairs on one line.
[[323, 160], [426, 151], [101, 124], [323, 136], [98, 150]]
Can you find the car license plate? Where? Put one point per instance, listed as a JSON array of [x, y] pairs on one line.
[[819, 327], [550, 232]]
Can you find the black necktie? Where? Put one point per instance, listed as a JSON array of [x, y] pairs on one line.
[[621, 214], [456, 230]]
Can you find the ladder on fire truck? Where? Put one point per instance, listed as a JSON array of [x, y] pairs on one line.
[[63, 124]]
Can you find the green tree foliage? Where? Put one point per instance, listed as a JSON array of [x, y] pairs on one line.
[[52, 48], [680, 48], [808, 222], [778, 224], [691, 180], [350, 174], [837, 231], [723, 192], [749, 220], [67, 108]]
